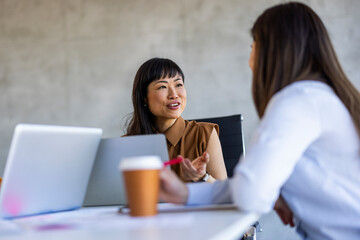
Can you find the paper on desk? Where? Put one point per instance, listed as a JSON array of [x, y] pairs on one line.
[[169, 207]]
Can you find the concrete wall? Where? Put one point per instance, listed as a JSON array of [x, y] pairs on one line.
[[72, 62]]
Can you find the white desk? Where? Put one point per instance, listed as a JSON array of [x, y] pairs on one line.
[[105, 223]]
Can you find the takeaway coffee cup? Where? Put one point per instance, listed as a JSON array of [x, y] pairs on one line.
[[141, 179]]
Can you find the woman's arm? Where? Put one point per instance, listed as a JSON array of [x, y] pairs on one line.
[[290, 125], [211, 161], [216, 166]]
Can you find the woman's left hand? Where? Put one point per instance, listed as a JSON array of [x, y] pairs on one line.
[[284, 212], [195, 170]]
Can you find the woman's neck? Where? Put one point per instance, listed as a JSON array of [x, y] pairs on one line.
[[164, 124]]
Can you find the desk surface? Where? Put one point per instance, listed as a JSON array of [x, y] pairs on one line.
[[105, 223]]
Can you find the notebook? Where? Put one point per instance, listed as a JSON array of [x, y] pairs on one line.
[[106, 183], [47, 169]]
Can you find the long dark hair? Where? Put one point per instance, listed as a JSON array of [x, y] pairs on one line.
[[142, 121], [292, 44]]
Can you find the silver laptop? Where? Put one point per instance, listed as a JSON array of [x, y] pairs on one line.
[[47, 169], [106, 183]]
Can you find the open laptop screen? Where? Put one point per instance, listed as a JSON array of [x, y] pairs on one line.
[[106, 183], [47, 169]]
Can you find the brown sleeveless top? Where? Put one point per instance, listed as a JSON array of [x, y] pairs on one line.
[[189, 139]]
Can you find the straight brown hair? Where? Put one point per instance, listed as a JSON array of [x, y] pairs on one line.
[[293, 44]]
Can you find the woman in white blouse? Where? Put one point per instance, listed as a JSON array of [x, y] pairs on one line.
[[307, 147]]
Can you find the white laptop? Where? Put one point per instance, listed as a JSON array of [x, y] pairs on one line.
[[47, 169], [106, 183]]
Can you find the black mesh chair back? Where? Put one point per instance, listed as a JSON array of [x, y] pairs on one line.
[[231, 138]]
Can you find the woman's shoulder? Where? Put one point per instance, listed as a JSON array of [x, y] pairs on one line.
[[306, 89], [303, 94], [201, 126]]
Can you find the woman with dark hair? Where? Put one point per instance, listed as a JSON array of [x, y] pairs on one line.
[[307, 147], [159, 98]]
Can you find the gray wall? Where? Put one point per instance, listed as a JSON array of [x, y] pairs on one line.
[[72, 62]]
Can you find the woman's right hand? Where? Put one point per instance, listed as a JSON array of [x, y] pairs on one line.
[[195, 170], [172, 189]]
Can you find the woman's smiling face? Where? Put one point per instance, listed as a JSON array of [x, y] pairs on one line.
[[166, 98]]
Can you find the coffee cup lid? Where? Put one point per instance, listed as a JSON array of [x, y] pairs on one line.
[[140, 162]]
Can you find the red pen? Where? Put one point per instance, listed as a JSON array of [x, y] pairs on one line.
[[173, 161]]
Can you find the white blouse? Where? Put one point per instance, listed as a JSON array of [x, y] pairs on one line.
[[306, 148]]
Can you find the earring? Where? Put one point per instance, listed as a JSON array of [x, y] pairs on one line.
[[145, 105]]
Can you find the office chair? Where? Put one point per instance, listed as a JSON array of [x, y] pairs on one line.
[[232, 143], [231, 139]]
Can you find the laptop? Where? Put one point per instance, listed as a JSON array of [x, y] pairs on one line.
[[106, 182], [47, 169]]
